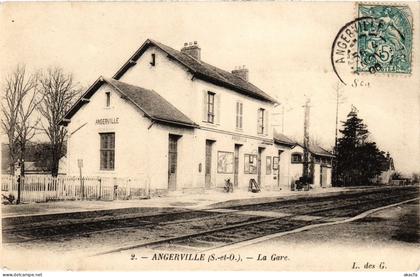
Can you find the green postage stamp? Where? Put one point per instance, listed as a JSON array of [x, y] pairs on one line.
[[384, 39]]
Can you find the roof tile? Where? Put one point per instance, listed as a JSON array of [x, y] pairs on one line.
[[154, 105]]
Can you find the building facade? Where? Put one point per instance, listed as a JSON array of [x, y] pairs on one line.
[[320, 162], [175, 122]]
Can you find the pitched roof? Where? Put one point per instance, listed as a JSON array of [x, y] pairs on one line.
[[313, 148], [282, 139], [200, 70], [318, 150], [148, 101]]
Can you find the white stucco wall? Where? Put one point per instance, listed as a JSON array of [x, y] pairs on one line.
[[141, 150], [172, 81]]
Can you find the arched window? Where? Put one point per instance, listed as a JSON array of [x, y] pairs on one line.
[[296, 158]]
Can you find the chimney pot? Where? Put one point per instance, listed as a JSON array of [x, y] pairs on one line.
[[242, 72], [192, 49]]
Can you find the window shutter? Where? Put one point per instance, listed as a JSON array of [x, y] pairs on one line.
[[237, 115], [217, 108], [266, 123], [241, 120], [258, 121], [204, 105]]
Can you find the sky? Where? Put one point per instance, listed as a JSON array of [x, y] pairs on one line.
[[286, 47]]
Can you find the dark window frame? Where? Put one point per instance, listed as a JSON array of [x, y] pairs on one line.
[[108, 99], [210, 106], [261, 121], [107, 151], [153, 61], [296, 161]]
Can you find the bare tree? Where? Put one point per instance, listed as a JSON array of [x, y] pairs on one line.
[[58, 93], [18, 104]]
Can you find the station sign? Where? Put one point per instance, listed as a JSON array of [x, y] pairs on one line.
[[107, 121]]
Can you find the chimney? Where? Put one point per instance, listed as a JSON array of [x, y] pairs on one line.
[[241, 72], [192, 49]]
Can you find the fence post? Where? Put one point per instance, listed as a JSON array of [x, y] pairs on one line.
[[100, 188], [45, 189]]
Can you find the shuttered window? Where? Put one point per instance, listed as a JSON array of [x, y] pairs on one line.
[[261, 121], [107, 151], [210, 107], [239, 115]]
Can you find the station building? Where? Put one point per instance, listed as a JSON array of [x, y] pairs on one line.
[[173, 121], [291, 163]]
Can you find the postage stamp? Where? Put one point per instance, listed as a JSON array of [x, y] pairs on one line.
[[385, 39], [378, 40]]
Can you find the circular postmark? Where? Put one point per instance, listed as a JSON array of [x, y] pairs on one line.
[[379, 42], [344, 51]]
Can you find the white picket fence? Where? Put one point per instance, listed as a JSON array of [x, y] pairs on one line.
[[43, 188]]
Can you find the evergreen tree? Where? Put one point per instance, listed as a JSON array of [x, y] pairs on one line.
[[357, 159]]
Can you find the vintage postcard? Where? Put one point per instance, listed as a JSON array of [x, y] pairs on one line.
[[212, 136]]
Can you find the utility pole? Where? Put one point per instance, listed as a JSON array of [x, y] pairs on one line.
[[306, 142], [334, 162], [282, 119], [337, 90]]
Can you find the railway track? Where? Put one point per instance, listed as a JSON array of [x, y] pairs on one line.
[[225, 228], [216, 238]]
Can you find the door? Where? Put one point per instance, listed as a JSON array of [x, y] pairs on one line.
[[323, 181], [172, 161], [236, 168], [209, 146], [260, 150], [278, 169]]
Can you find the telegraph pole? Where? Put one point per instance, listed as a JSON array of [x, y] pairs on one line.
[[282, 119], [336, 116], [306, 142], [334, 161]]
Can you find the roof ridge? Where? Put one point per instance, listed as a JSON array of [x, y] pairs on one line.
[[202, 70]]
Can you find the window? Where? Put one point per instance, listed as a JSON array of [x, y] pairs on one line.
[[224, 162], [250, 164], [275, 163], [296, 158], [268, 165], [107, 151], [325, 161], [239, 113], [153, 59], [108, 98], [210, 107], [261, 121]]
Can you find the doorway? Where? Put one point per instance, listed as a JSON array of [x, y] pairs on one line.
[[278, 169], [172, 161], [236, 167], [209, 150], [323, 181], [260, 151]]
